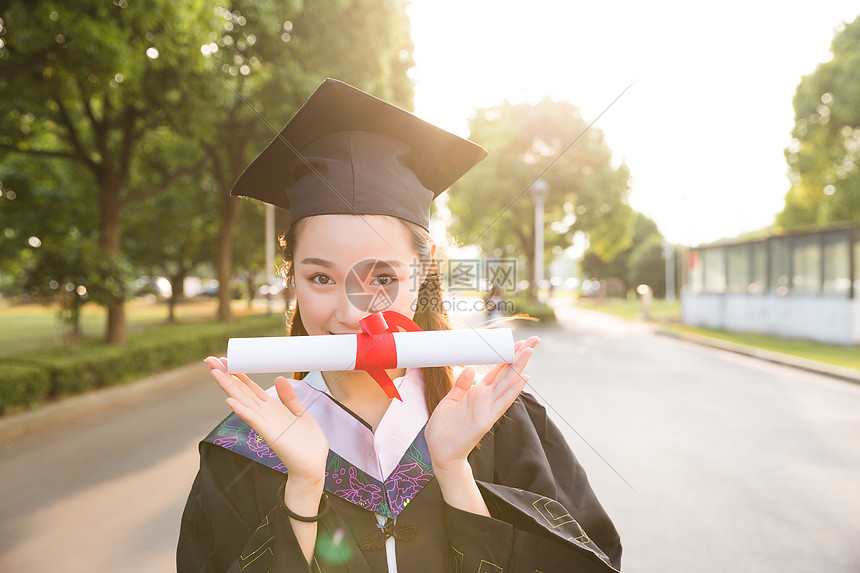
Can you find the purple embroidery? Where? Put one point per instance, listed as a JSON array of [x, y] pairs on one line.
[[405, 483], [343, 479], [365, 495], [337, 477], [227, 442], [259, 446]]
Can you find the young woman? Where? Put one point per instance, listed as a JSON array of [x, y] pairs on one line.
[[324, 472]]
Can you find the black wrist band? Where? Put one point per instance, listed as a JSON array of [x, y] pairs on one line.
[[322, 511]]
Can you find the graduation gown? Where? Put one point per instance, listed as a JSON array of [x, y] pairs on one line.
[[385, 504]]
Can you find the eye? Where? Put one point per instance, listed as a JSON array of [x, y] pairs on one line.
[[384, 280], [321, 279]]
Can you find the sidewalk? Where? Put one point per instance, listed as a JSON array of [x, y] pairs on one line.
[[838, 372], [847, 374]]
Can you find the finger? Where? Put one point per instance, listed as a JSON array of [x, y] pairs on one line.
[[462, 384], [234, 388], [530, 341], [247, 414], [490, 377], [220, 364], [253, 386], [288, 396], [515, 369], [504, 399], [215, 364]]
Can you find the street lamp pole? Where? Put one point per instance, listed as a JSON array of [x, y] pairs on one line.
[[540, 192], [669, 255], [270, 254]]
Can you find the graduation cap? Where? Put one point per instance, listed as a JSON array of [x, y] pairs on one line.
[[346, 151]]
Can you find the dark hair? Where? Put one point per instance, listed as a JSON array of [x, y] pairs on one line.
[[430, 311]]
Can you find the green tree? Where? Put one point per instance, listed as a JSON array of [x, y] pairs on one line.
[[637, 264], [171, 234], [250, 259], [268, 57], [492, 205], [49, 238], [824, 155], [648, 266], [98, 84], [73, 273]]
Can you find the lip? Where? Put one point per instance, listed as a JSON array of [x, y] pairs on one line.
[[339, 333]]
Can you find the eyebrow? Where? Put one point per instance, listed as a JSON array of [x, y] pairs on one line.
[[320, 262], [331, 265]]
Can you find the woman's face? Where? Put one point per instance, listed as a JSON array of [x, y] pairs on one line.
[[348, 266]]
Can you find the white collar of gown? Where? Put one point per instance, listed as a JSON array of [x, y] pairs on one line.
[[376, 453]]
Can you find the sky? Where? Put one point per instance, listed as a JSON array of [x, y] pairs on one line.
[[704, 124]]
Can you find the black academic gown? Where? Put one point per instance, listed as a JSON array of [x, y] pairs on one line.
[[545, 516]]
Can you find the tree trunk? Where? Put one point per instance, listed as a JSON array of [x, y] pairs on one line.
[[177, 293], [250, 283], [230, 207], [229, 214], [76, 317], [528, 245], [109, 241]]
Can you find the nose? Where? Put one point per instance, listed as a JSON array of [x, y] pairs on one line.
[[348, 315]]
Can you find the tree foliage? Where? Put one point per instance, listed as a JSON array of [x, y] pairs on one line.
[[492, 205], [49, 239], [640, 263], [96, 84], [172, 234], [139, 117], [268, 57], [824, 155]]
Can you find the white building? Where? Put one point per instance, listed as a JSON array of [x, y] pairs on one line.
[[797, 285]]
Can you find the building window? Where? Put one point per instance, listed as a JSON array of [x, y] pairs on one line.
[[857, 268], [837, 261], [714, 263], [806, 264], [758, 268], [780, 265], [697, 275], [738, 268]]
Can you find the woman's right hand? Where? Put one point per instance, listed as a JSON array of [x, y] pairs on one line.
[[288, 429]]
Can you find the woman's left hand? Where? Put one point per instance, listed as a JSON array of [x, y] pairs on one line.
[[469, 411]]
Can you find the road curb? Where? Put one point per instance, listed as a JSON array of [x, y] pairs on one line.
[[71, 408], [839, 372]]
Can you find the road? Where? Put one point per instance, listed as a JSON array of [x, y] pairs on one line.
[[707, 461]]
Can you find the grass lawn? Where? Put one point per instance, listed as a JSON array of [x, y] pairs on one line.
[[661, 311], [28, 326], [845, 356], [669, 315]]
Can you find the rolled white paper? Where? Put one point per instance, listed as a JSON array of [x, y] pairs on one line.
[[279, 354]]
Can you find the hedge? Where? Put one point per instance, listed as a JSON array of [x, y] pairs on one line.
[[28, 379]]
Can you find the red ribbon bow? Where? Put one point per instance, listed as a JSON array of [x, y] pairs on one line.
[[376, 351]]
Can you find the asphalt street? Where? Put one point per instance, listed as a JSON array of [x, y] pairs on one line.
[[707, 461]]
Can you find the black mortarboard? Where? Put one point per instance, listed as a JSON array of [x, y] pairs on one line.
[[359, 155]]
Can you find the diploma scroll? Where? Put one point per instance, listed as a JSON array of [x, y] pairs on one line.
[[420, 349]]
